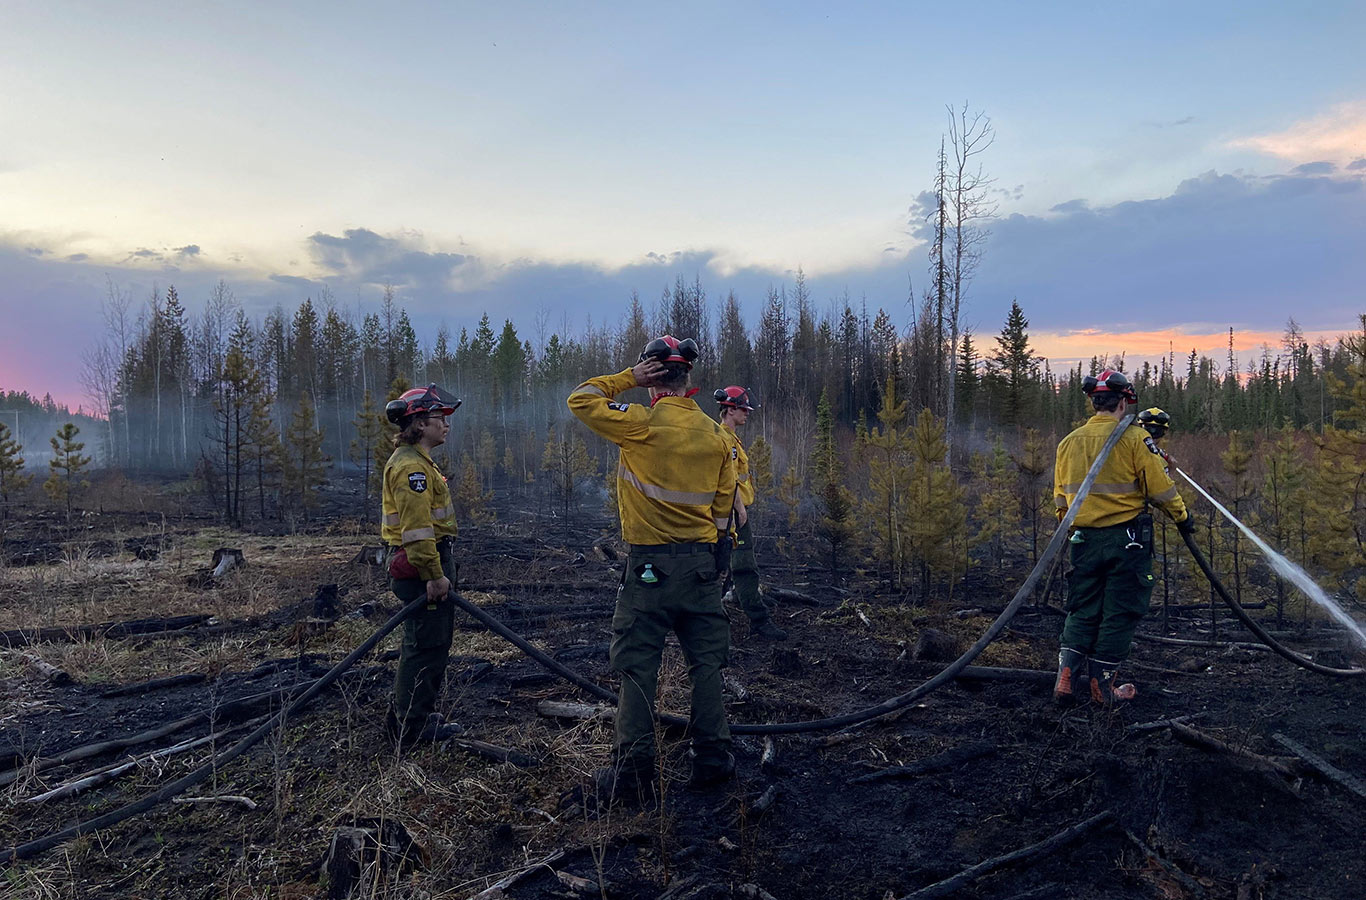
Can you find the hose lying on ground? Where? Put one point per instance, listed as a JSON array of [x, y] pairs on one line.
[[872, 712], [1252, 624], [23, 851]]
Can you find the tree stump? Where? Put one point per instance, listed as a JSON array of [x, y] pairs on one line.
[[367, 852]]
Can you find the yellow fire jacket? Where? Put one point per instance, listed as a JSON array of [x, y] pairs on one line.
[[675, 475], [417, 508], [1133, 476], [742, 479]]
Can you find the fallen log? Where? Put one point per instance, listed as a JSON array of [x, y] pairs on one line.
[[1322, 766], [496, 753], [790, 596], [156, 684], [495, 890], [106, 774], [1024, 854], [938, 762], [223, 711], [1170, 869], [50, 673], [1158, 724], [1255, 761], [221, 798], [564, 709], [26, 637], [1185, 642], [576, 884]]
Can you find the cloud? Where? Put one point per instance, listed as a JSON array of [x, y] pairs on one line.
[[1322, 167], [364, 256], [1357, 165], [188, 250], [77, 257], [34, 251], [307, 284], [144, 253], [1338, 135], [1070, 206]]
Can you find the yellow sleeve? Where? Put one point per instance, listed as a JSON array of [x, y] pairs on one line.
[[1157, 485], [411, 490], [724, 500], [1059, 476], [618, 422]]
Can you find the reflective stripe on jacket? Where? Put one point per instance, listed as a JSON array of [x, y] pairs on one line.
[[1133, 476], [675, 475], [742, 476], [416, 508]]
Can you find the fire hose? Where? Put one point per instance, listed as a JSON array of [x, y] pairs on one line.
[[39, 845], [845, 720]]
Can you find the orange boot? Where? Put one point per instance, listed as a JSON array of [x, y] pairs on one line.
[[1071, 683], [1103, 687]]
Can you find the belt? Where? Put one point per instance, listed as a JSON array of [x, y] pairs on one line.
[[445, 541], [673, 549], [1136, 520]]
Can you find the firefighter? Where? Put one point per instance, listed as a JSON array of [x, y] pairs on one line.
[[675, 487], [1112, 540], [736, 404], [418, 526], [1157, 422]]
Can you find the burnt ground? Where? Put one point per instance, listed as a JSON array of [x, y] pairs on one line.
[[1199, 823]]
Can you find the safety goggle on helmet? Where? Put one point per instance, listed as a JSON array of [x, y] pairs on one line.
[[1155, 418], [735, 397], [428, 401], [1109, 381], [669, 349]]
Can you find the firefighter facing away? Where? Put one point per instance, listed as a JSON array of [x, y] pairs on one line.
[[675, 487], [418, 526], [1112, 541], [736, 404]]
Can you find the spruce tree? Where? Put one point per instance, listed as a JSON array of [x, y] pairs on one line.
[[11, 465], [836, 525], [760, 469], [566, 459], [1015, 365], [998, 509], [264, 453], [371, 430], [305, 468], [886, 449], [936, 529], [1283, 494], [470, 500], [1237, 461], [66, 466], [1035, 463]]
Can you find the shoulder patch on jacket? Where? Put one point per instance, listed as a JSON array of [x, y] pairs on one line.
[[1152, 445], [734, 452], [619, 407], [417, 482]]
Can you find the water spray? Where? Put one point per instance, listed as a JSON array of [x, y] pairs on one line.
[[1282, 565], [1287, 569]]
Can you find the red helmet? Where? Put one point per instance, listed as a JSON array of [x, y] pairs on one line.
[[430, 400], [669, 349], [1110, 381], [735, 397]]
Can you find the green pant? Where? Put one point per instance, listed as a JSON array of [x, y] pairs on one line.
[[1109, 588], [744, 570], [663, 592], [426, 644]]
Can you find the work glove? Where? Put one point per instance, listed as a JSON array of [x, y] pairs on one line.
[[1186, 525], [724, 545]]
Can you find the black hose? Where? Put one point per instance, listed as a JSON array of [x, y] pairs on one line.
[[1251, 623], [24, 851], [872, 712]]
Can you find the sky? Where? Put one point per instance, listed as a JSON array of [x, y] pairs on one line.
[[1162, 171]]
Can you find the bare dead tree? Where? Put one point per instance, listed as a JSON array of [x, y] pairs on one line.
[[967, 196]]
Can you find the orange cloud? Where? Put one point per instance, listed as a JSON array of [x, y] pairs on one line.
[[1068, 347], [1338, 136]]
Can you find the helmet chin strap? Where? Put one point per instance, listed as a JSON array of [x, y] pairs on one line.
[[658, 394]]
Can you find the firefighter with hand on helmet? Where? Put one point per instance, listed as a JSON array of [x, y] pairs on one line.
[[1112, 541], [418, 526], [736, 403], [675, 488]]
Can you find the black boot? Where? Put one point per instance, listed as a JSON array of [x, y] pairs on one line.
[[1103, 688], [765, 630], [1072, 676], [711, 772]]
